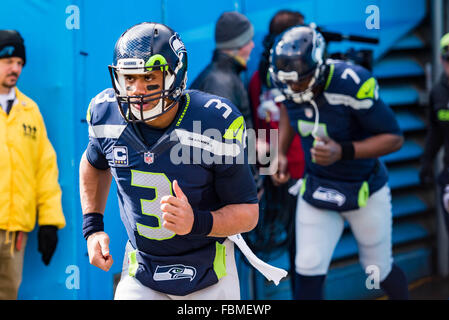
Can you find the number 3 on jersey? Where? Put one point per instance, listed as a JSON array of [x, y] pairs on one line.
[[162, 186]]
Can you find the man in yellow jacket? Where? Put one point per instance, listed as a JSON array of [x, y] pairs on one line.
[[29, 188]]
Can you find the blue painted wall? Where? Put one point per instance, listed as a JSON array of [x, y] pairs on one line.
[[67, 67]]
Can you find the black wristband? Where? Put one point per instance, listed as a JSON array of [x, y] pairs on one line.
[[202, 224], [92, 222], [347, 150]]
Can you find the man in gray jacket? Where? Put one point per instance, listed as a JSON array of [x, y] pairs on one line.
[[233, 43]]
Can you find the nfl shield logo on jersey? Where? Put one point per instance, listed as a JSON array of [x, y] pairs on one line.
[[308, 112], [148, 157]]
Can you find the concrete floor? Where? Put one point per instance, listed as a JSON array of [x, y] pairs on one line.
[[429, 288]]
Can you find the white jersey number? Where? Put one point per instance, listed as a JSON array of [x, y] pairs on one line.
[[162, 186], [351, 73], [219, 104]]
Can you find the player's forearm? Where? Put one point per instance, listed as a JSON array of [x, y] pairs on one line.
[[286, 132], [94, 187], [234, 218], [377, 146]]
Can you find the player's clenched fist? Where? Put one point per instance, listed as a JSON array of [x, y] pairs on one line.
[[98, 249], [282, 175], [326, 151], [177, 212]]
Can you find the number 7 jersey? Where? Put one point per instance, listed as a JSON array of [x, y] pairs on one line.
[[349, 109], [204, 149]]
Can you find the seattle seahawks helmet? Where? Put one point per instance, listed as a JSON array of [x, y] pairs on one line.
[[141, 49], [297, 57]]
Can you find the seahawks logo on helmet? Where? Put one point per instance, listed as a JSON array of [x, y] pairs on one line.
[[177, 45], [174, 272]]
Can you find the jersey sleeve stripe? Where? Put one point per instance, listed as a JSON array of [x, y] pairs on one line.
[[337, 98], [204, 142], [106, 131]]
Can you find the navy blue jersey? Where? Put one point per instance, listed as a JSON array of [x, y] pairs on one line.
[[204, 149], [349, 109]]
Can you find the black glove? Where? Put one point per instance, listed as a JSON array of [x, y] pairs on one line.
[[426, 176], [47, 240]]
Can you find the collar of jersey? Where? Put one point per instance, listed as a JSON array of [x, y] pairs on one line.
[[164, 142]]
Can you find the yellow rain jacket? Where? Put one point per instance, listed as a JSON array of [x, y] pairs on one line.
[[29, 186]]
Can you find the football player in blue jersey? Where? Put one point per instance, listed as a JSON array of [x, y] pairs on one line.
[[178, 210], [344, 128]]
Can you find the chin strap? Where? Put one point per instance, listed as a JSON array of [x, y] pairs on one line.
[[307, 95], [316, 123], [148, 113]]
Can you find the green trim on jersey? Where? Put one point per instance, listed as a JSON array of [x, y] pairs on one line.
[[133, 264], [363, 195], [367, 89], [220, 260], [329, 77]]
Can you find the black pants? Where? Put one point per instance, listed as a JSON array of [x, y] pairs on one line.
[[279, 215]]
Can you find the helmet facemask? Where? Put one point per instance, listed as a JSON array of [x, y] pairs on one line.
[[167, 96], [315, 78]]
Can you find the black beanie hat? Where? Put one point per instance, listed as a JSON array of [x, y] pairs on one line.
[[11, 45], [232, 31]]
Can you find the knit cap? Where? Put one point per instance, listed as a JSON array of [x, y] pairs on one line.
[[11, 45], [233, 30]]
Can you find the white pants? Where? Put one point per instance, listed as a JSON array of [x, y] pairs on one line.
[[318, 232], [227, 288]]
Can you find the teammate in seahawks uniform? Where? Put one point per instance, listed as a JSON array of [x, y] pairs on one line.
[[344, 128], [180, 164]]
